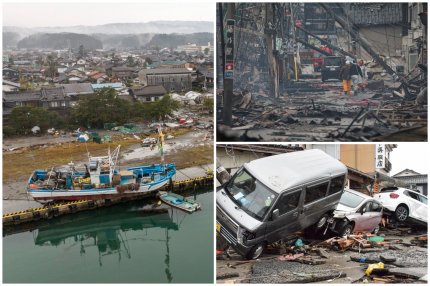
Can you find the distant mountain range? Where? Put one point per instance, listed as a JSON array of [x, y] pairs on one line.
[[60, 41], [154, 27], [117, 35]]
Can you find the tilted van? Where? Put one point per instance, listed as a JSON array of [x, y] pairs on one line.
[[271, 197]]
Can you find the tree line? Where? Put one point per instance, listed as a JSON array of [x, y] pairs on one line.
[[93, 111]]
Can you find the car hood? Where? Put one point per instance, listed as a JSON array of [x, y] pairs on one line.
[[342, 211]]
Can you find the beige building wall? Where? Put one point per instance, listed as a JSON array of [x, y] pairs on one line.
[[358, 156]]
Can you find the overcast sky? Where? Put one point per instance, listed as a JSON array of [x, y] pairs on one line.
[[413, 156], [72, 14]]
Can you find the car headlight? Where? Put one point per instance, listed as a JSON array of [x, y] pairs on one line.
[[245, 235], [338, 214]]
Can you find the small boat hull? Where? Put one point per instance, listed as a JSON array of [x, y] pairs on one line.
[[178, 202]]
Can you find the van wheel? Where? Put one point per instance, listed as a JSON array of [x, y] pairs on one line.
[[255, 251], [346, 230], [321, 222]]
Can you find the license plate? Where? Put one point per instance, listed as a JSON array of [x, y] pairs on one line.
[[218, 227], [332, 69]]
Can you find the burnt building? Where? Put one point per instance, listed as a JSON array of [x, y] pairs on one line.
[[317, 20], [415, 42]]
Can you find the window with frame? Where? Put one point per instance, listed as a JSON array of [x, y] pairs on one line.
[[376, 207], [367, 207], [423, 199], [414, 196], [315, 193], [336, 185], [288, 202]]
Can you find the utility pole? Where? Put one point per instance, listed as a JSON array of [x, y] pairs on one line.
[[293, 29], [228, 63], [270, 38]]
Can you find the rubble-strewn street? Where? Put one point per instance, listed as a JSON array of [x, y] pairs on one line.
[[403, 252], [324, 114]]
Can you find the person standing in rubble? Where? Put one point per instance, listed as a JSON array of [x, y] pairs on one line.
[[356, 77], [363, 85], [345, 75]]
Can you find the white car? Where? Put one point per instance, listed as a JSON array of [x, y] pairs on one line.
[[356, 212], [403, 203], [148, 141]]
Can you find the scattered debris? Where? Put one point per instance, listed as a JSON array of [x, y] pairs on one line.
[[370, 268], [291, 272], [327, 116], [227, 276]]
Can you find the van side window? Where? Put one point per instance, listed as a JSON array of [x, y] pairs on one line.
[[336, 185], [315, 193], [288, 202]]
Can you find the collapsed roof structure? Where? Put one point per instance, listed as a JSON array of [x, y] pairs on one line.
[[270, 57]]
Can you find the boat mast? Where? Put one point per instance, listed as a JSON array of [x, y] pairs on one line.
[[113, 159]]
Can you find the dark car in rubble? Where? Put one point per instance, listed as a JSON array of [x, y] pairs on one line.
[[330, 68]]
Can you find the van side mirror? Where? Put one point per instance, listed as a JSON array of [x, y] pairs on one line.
[[363, 210], [275, 214]]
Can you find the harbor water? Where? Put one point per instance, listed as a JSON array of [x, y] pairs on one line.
[[117, 244]]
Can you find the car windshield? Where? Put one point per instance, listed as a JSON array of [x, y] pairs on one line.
[[350, 200], [250, 194]]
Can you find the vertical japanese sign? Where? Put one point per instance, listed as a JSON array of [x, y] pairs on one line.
[[380, 156], [229, 50]]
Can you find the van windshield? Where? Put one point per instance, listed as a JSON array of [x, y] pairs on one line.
[[250, 194]]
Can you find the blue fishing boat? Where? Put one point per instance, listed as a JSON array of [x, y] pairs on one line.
[[99, 180]]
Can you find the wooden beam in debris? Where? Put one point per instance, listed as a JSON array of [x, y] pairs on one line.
[[343, 52]]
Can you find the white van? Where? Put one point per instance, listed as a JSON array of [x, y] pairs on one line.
[[269, 198]]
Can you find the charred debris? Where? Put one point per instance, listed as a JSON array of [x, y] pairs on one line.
[[272, 85]]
